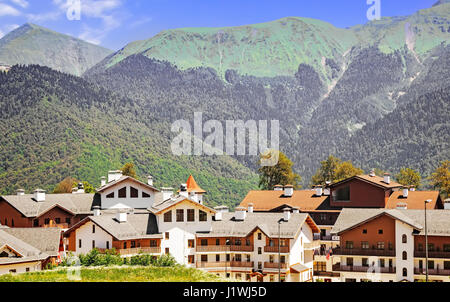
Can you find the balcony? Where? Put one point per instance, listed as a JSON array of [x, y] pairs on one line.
[[237, 264], [60, 226], [436, 272], [326, 274], [363, 269], [326, 238], [364, 252], [274, 249], [312, 245], [224, 248], [432, 254], [135, 251], [274, 265]]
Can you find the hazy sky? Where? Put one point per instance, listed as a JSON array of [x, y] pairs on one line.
[[114, 23]]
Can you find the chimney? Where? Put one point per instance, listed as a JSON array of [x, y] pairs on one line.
[[121, 216], [240, 213], [387, 178], [287, 214], [96, 211], [219, 212], [278, 188], [319, 191], [402, 206], [372, 173], [250, 207], [114, 175], [288, 190], [447, 204], [167, 193], [184, 191], [327, 190], [296, 210], [39, 195], [150, 180], [405, 192], [20, 192], [103, 181]]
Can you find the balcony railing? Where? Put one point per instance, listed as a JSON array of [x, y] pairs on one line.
[[437, 272], [421, 254], [224, 264], [326, 274], [61, 226], [274, 265], [224, 248], [325, 238], [364, 252], [135, 251], [274, 249], [363, 269]]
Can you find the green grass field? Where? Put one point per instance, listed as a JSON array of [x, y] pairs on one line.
[[117, 274]]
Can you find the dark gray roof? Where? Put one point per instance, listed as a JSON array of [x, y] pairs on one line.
[[44, 239], [266, 222], [438, 221], [137, 226], [74, 203]]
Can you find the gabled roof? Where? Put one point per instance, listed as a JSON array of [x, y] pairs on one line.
[[72, 203], [137, 226], [305, 200], [192, 186], [122, 179], [298, 268], [266, 222], [415, 200], [44, 239], [375, 180], [158, 207]]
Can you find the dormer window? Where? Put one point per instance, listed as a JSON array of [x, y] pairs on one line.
[[123, 192], [134, 193]]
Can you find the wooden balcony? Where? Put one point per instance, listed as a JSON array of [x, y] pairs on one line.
[[274, 249], [135, 251], [224, 248], [432, 254], [326, 274], [436, 272], [60, 226], [274, 265], [364, 252], [228, 264], [363, 269]]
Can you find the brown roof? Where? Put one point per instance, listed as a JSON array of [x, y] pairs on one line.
[[192, 186], [305, 200], [376, 180], [415, 200]]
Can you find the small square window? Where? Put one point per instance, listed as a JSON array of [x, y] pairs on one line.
[[380, 232], [364, 231]]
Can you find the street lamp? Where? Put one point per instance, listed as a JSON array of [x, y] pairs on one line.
[[426, 239], [279, 248], [227, 243]]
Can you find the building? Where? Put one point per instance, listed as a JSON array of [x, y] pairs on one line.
[[389, 245], [28, 249]]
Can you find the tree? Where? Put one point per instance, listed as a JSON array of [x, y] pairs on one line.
[[280, 174], [334, 170], [440, 179], [129, 170], [88, 188], [409, 177], [65, 186]]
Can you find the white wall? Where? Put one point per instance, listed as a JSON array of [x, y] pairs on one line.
[[20, 267], [400, 229], [136, 203], [85, 234]]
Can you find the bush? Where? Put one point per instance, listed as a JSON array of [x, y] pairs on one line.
[[95, 258]]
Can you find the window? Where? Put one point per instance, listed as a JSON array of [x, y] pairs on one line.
[[133, 244], [420, 264], [447, 265], [153, 243], [180, 215], [349, 244], [390, 246], [227, 258], [365, 245], [420, 247], [167, 235], [404, 239], [191, 243], [79, 243], [237, 242], [145, 195], [68, 220], [248, 258], [405, 272], [107, 245], [125, 245], [202, 216], [365, 262], [446, 247], [36, 223], [283, 259], [259, 236], [47, 221], [27, 269], [364, 231], [271, 258], [13, 271], [342, 194], [320, 266], [190, 215], [238, 258], [283, 242], [204, 242], [111, 195], [167, 251], [217, 258], [260, 265], [381, 262], [168, 216], [247, 242], [272, 278], [380, 245], [431, 264], [134, 193], [380, 232], [405, 255], [431, 247], [12, 222], [271, 242], [6, 221], [191, 259], [123, 192], [93, 229], [349, 261], [93, 244], [238, 276], [217, 241], [204, 258], [259, 251]]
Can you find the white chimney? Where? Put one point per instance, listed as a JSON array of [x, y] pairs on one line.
[[103, 181], [114, 175], [319, 191], [121, 216], [327, 190], [250, 207], [402, 206], [278, 188], [372, 173], [405, 192], [96, 211], [150, 180], [288, 191], [287, 214], [184, 191], [20, 192], [296, 210], [387, 178], [447, 204], [219, 212], [167, 193], [240, 213], [39, 195]]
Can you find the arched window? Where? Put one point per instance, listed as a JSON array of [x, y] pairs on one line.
[[405, 272], [404, 239], [405, 256]]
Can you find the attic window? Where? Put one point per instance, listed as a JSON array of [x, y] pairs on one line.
[[123, 192], [134, 193], [202, 216], [342, 194], [111, 195], [145, 195]]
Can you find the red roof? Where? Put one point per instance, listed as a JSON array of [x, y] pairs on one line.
[[192, 186], [415, 200]]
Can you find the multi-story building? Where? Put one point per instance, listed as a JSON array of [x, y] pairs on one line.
[[389, 245]]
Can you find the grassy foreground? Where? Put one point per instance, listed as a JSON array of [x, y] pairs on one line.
[[117, 274]]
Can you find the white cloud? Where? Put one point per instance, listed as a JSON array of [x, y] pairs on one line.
[[1, 34], [21, 3], [50, 16], [140, 22], [11, 27], [7, 10]]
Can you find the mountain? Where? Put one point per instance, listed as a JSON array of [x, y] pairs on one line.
[[56, 125], [33, 44], [329, 87]]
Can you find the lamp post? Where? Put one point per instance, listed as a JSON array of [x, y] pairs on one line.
[[279, 248], [227, 243], [426, 239]]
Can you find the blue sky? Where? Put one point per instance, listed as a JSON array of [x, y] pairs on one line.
[[115, 23]]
